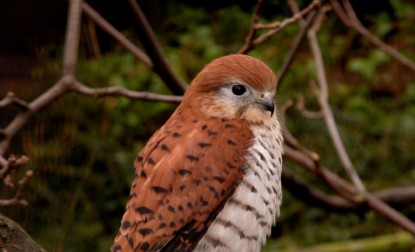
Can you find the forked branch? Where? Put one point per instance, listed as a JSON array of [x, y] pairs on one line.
[[273, 28], [322, 96], [350, 19], [118, 36], [124, 92], [7, 167]]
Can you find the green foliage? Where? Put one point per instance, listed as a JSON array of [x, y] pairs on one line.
[[384, 25], [203, 39], [403, 9], [366, 66]]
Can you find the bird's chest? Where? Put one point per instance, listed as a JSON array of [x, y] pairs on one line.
[[247, 217]]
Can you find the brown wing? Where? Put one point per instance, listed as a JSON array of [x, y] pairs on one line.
[[183, 177]]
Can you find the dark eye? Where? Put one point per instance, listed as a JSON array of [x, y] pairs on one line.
[[238, 90]]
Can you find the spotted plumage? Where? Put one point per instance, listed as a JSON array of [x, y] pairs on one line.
[[209, 179]]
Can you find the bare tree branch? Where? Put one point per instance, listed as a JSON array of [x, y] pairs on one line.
[[70, 56], [153, 49], [11, 99], [65, 84], [11, 164], [252, 31], [121, 91], [300, 106], [322, 97], [297, 16], [39, 103], [384, 209], [296, 45], [91, 38], [7, 166], [315, 197], [277, 26], [372, 201], [297, 153], [350, 19], [18, 197], [274, 27], [397, 197], [118, 36], [340, 12], [305, 160], [14, 238], [351, 196]]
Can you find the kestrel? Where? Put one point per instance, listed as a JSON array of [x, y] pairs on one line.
[[209, 178]]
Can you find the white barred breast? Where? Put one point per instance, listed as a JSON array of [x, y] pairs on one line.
[[246, 219]]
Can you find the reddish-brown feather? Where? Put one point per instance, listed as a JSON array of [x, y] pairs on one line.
[[233, 68], [187, 170]]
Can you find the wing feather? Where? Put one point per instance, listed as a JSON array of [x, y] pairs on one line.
[[184, 175]]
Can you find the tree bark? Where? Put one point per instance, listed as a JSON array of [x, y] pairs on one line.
[[13, 238]]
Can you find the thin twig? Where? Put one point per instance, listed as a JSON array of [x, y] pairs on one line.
[[352, 198], [11, 99], [59, 88], [35, 106], [303, 159], [6, 168], [398, 197], [121, 91], [279, 26], [252, 31], [11, 164], [289, 139], [310, 160], [315, 197], [322, 96], [350, 19], [340, 12], [274, 27], [118, 36], [18, 197], [91, 38], [328, 113], [296, 45], [300, 106]]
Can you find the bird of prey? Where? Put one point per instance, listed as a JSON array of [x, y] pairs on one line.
[[209, 178]]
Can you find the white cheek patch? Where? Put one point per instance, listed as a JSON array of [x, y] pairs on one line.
[[226, 105]]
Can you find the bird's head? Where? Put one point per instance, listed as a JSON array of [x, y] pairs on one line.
[[236, 87]]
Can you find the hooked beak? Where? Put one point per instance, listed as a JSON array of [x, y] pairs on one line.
[[267, 104]]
